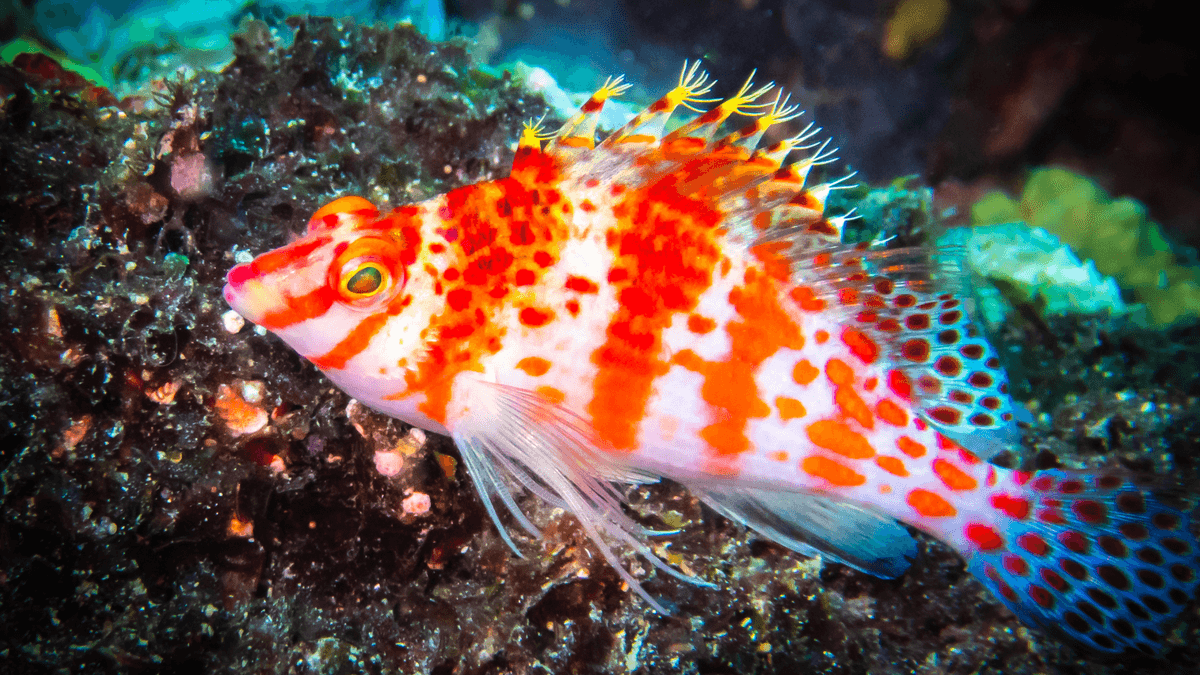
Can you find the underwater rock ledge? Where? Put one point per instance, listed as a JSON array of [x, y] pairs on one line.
[[183, 494]]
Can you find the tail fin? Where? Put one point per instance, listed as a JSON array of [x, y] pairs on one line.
[[1094, 557]]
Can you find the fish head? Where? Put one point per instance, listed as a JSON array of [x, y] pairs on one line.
[[350, 268]]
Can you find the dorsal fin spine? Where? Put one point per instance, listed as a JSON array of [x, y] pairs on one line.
[[705, 126], [693, 85], [580, 130]]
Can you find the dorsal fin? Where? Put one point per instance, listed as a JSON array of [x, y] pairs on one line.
[[755, 190]]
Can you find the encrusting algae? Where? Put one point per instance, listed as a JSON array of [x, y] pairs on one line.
[[678, 305]]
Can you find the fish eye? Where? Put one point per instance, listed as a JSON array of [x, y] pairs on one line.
[[366, 272], [366, 280], [363, 280]]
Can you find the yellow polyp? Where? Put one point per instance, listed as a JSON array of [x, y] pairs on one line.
[[612, 87], [693, 85], [743, 102], [533, 135], [581, 128]]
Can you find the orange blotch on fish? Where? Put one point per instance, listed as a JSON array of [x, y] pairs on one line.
[[838, 372], [1090, 511], [638, 301], [852, 406], [778, 456], [833, 471], [543, 259], [300, 308], [572, 307], [806, 299], [862, 346], [892, 465], [945, 415], [524, 277], [948, 365], [821, 336], [722, 465], [581, 285], [534, 366], [700, 324], [1033, 543], [357, 207], [891, 413], [534, 318], [910, 447], [354, 343], [804, 372], [840, 438], [772, 255], [930, 504], [974, 352], [789, 408], [458, 299], [551, 395], [953, 477]]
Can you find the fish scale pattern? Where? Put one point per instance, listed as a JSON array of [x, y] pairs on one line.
[[1097, 558]]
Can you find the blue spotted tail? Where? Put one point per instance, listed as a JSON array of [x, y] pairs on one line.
[[1097, 558]]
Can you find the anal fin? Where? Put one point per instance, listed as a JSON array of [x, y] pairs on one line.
[[809, 524]]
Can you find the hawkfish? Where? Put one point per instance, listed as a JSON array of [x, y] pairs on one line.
[[674, 303]]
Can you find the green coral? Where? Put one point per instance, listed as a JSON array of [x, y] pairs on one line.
[[1114, 233]]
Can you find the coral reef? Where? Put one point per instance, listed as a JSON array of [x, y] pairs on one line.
[[124, 43], [1035, 267], [1115, 234], [183, 494]]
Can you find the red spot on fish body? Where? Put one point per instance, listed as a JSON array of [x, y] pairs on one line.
[[986, 538], [534, 317]]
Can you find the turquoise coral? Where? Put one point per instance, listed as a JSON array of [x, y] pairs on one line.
[[1115, 234]]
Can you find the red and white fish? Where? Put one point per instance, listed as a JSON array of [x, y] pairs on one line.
[[678, 305]]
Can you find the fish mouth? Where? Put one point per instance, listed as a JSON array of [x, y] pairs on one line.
[[247, 295]]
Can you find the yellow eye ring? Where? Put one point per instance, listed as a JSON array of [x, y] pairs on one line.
[[366, 273]]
